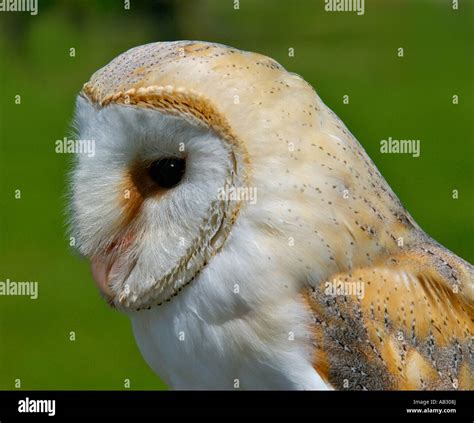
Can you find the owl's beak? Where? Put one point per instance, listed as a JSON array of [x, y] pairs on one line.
[[100, 267], [108, 265]]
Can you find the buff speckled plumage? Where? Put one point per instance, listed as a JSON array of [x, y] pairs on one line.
[[413, 327]]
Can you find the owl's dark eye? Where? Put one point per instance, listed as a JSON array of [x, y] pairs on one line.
[[167, 172]]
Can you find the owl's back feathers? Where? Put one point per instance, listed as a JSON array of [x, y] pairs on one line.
[[411, 328]]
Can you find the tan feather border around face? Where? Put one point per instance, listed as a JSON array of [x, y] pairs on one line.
[[197, 110], [182, 102]]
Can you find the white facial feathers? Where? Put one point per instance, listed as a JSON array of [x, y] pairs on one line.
[[168, 232]]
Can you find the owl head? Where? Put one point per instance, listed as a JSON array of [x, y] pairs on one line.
[[185, 134]]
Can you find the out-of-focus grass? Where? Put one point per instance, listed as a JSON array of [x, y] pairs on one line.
[[337, 53]]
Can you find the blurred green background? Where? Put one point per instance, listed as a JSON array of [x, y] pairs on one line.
[[338, 53]]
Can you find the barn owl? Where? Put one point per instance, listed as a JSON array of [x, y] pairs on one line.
[[324, 281]]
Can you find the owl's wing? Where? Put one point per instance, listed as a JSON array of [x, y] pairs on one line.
[[405, 322]]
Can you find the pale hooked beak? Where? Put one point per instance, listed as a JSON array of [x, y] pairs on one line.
[[100, 267], [110, 265]]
